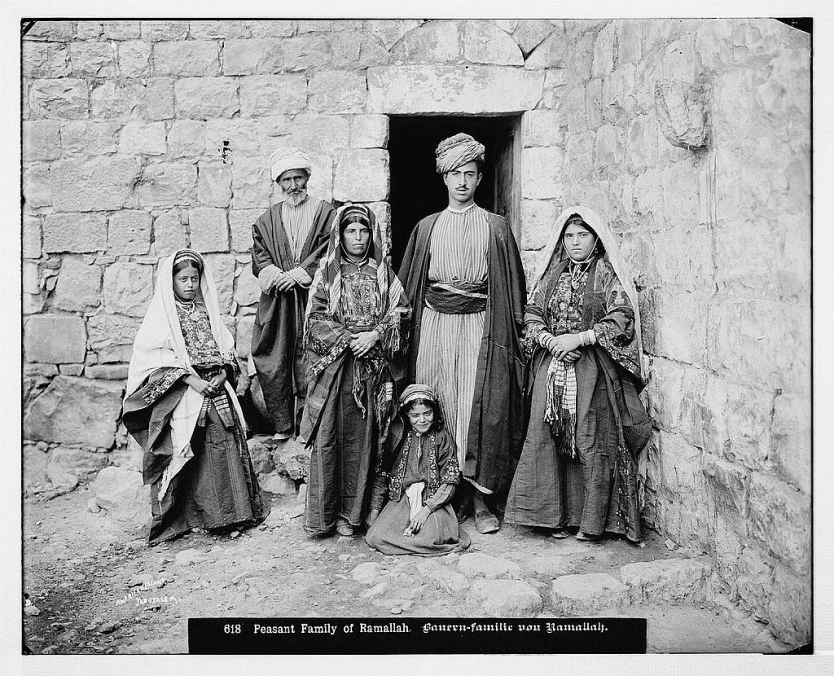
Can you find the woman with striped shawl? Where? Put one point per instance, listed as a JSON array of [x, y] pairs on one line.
[[356, 323], [578, 465]]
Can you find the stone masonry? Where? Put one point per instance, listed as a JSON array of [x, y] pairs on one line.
[[691, 136]]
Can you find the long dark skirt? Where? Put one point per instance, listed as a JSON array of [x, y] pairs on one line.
[[439, 535], [342, 459], [596, 491], [216, 488]]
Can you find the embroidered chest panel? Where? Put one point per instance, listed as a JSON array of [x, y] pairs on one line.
[[566, 302], [361, 302], [199, 341]]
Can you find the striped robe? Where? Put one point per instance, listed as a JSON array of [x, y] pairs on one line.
[[478, 376]]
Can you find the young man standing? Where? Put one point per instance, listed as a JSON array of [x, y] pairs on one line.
[[288, 241], [463, 276]]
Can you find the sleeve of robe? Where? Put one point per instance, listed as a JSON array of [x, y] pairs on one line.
[[326, 337], [447, 465], [260, 253], [615, 331]]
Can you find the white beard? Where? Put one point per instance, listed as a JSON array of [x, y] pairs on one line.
[[294, 199]]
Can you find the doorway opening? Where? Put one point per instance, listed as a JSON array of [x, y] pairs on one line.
[[416, 188]]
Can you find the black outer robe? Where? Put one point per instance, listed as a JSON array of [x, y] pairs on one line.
[[279, 324], [496, 427]]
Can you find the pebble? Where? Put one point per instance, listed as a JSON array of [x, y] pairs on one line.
[[109, 627], [32, 610], [396, 610], [671, 546]]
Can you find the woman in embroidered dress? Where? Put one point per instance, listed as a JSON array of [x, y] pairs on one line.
[[356, 321], [418, 518], [182, 409], [578, 465]]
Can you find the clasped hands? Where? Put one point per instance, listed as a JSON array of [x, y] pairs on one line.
[[272, 277], [362, 343], [565, 347], [208, 388]]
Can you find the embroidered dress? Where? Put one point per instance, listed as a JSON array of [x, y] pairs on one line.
[[350, 400], [578, 465], [429, 463], [195, 455]]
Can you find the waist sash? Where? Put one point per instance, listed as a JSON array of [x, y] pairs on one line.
[[464, 298]]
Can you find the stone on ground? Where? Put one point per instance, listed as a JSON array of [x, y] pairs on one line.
[[586, 594], [666, 580], [188, 557], [490, 567], [120, 491], [547, 566], [504, 598], [448, 580]]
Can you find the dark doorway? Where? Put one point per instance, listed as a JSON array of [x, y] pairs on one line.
[[416, 188]]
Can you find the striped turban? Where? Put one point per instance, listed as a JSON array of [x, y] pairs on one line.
[[189, 255], [456, 151], [417, 391], [288, 158]]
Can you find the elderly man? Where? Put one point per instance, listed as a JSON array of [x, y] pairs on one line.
[[289, 239], [463, 276]]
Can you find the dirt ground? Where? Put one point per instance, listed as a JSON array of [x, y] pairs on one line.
[[100, 589]]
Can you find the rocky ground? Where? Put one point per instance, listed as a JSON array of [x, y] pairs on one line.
[[93, 586]]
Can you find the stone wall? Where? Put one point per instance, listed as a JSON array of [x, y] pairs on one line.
[[692, 136]]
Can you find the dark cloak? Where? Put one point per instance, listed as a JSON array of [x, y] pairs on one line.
[[279, 323]]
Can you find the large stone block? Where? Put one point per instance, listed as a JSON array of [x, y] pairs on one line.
[[134, 59], [780, 518], [264, 28], [629, 35], [389, 31], [75, 411], [107, 331], [272, 94], [223, 269], [209, 229], [727, 491], [252, 57], [541, 128], [361, 176], [75, 462], [433, 42], [791, 439], [753, 580], [247, 289], [321, 134], [31, 243], [121, 492], [214, 184], [64, 98], [604, 51], [128, 288], [97, 184], [37, 187], [251, 184], [93, 59], [162, 31], [243, 336], [530, 33], [52, 31], [194, 58], [120, 30], [240, 227], [609, 149], [44, 59], [140, 138], [129, 232], [587, 594], [357, 49], [683, 256], [749, 414], [551, 53], [414, 89], [790, 607], [538, 218], [41, 140], [203, 98], [218, 30], [504, 598], [89, 138], [292, 458], [247, 137], [337, 91], [541, 175], [34, 468], [167, 184], [54, 339], [186, 138], [667, 581], [146, 98], [680, 325], [484, 42], [369, 131], [168, 233], [682, 465], [76, 233], [306, 51], [78, 287]]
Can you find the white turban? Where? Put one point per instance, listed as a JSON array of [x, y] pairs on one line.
[[288, 158], [456, 151]]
